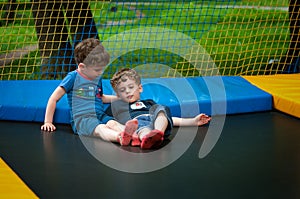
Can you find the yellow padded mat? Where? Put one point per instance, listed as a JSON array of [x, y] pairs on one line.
[[285, 89], [11, 186]]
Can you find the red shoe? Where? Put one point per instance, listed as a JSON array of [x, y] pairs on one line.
[[152, 140], [130, 127], [135, 140]]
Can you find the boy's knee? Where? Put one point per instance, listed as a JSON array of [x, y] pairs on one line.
[[162, 113], [111, 123], [99, 129]]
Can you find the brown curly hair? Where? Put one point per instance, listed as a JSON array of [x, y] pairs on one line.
[[121, 75], [91, 53]]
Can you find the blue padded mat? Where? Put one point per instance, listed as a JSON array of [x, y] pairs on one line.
[[26, 100]]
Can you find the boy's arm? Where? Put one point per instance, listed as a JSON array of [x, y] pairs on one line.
[[109, 98], [51, 106], [199, 120]]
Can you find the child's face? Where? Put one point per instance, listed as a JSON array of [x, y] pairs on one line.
[[129, 91], [92, 72]]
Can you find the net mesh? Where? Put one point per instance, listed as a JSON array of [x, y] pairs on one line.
[[161, 38]]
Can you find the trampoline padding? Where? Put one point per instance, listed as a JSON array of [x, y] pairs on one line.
[[11, 186], [26, 100], [284, 88]]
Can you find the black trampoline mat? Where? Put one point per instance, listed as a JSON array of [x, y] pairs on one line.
[[257, 156]]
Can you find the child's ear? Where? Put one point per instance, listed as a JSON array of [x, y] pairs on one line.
[[81, 65], [141, 88]]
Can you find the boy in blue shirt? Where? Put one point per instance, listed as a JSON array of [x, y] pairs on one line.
[[85, 97]]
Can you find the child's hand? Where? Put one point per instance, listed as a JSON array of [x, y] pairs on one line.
[[47, 126], [202, 119]]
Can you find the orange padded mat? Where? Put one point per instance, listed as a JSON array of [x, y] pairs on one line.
[[11, 186], [285, 89]]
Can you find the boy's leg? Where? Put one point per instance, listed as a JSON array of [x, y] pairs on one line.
[[106, 133], [116, 126], [161, 122], [114, 133]]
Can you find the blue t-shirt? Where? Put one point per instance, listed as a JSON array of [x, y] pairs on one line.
[[85, 101]]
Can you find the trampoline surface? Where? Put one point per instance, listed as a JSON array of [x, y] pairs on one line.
[[256, 156]]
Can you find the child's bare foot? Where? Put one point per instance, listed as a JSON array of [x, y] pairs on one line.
[[130, 127], [152, 140]]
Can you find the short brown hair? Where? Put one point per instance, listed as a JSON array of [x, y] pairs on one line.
[[91, 53], [121, 75]]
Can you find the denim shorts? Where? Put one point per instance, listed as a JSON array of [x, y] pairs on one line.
[[147, 120], [85, 125]]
